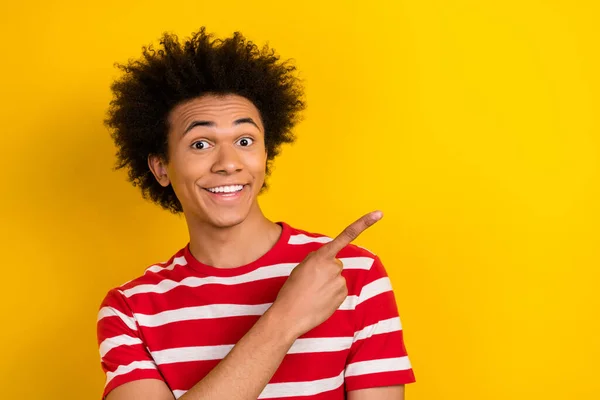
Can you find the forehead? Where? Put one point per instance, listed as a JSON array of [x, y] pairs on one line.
[[222, 110]]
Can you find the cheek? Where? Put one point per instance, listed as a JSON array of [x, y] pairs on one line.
[[259, 165], [254, 161], [187, 169]]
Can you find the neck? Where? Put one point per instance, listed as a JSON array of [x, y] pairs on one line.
[[233, 246]]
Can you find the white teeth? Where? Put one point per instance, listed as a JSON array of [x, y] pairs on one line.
[[226, 189]]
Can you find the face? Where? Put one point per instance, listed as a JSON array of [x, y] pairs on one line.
[[217, 159]]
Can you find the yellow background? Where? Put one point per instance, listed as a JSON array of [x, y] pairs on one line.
[[472, 124]]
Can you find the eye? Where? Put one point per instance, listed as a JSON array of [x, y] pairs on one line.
[[200, 145], [245, 142]]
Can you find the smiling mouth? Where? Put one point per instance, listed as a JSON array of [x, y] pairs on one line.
[[225, 190]]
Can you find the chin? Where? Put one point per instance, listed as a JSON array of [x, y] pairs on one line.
[[227, 220]]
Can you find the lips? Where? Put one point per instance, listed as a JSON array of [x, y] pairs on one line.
[[232, 188], [226, 192]]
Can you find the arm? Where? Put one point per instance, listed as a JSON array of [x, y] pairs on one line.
[[242, 374], [378, 393]]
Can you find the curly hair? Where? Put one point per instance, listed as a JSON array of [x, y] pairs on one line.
[[153, 85]]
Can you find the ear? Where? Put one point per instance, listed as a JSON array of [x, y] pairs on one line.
[[158, 166]]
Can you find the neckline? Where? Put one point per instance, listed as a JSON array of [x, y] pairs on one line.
[[268, 258]]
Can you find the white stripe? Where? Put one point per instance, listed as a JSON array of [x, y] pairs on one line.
[[113, 312], [349, 303], [125, 369], [357, 262], [270, 271], [204, 353], [303, 239], [201, 312], [308, 388], [383, 326], [374, 288], [292, 389], [178, 261], [374, 366], [186, 354], [116, 341], [266, 272], [368, 291], [320, 345]]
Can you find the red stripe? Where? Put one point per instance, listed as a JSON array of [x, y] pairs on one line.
[[212, 332], [377, 308], [380, 379], [115, 300], [386, 345]]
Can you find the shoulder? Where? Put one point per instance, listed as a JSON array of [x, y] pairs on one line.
[[170, 269]]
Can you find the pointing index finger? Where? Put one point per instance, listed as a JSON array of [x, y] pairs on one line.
[[351, 232]]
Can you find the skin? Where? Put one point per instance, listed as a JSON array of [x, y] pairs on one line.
[[229, 234], [224, 236]]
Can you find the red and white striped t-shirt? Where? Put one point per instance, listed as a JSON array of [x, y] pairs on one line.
[[177, 321]]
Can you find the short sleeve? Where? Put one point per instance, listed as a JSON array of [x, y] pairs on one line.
[[378, 356], [123, 355]]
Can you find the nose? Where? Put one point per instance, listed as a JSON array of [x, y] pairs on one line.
[[227, 161]]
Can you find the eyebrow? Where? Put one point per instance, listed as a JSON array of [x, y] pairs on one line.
[[239, 121]]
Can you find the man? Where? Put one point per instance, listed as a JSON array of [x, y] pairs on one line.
[[249, 308]]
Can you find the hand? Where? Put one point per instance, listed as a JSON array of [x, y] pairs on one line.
[[316, 288]]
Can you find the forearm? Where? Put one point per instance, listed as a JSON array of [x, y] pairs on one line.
[[246, 370]]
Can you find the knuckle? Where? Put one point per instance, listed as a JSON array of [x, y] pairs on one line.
[[316, 257], [335, 266], [351, 232], [343, 292]]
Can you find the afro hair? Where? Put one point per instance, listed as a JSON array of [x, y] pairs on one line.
[[153, 85]]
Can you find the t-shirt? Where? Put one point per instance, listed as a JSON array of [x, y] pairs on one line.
[[181, 318]]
